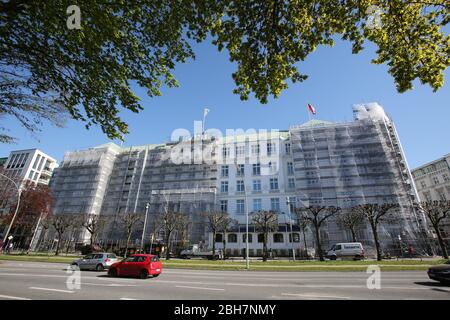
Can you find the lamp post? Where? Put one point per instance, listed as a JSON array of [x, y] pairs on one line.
[[17, 207], [147, 205], [247, 258], [288, 202]]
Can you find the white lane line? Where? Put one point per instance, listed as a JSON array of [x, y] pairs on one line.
[[50, 289], [109, 285], [201, 288], [314, 296], [12, 297], [128, 299]]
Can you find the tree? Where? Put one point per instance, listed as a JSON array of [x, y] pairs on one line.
[[94, 224], [169, 224], [317, 215], [375, 214], [89, 71], [350, 220], [303, 223], [182, 228], [61, 223], [224, 228], [129, 221], [217, 221], [35, 202], [437, 212], [265, 222]]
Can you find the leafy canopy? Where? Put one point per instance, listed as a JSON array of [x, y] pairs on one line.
[[89, 72]]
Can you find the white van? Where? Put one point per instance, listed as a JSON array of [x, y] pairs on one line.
[[353, 250]]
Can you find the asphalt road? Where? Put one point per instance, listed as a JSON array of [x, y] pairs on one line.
[[32, 280]]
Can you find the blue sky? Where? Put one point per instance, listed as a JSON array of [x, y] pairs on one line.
[[337, 80]]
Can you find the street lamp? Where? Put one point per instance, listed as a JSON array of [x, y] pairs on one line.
[[288, 202], [247, 258], [17, 207], [147, 205]]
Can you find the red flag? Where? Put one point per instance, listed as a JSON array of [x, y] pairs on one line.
[[311, 109]]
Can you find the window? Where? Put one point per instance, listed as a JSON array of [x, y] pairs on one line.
[[244, 238], [224, 171], [224, 186], [423, 184], [225, 152], [240, 170], [436, 180], [224, 205], [219, 237], [271, 148], [278, 238], [240, 206], [240, 151], [257, 204], [232, 238], [445, 177], [275, 204], [257, 185], [256, 169], [290, 168], [287, 148], [274, 184], [255, 149], [296, 237], [260, 237], [291, 183], [240, 186]]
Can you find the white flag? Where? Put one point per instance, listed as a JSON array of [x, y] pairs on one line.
[[205, 112]]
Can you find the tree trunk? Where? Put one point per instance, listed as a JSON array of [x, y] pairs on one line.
[[377, 241], [214, 245], [168, 246], [57, 245], [318, 244], [306, 245], [126, 246], [265, 247], [441, 242], [353, 234], [224, 246]]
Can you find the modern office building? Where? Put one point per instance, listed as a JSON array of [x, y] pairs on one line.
[[433, 184], [30, 164], [316, 163]]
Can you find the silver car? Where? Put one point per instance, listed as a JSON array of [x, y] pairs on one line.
[[96, 261]]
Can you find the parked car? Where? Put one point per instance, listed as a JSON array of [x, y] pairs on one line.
[[195, 252], [96, 261], [353, 250], [440, 273], [137, 265]]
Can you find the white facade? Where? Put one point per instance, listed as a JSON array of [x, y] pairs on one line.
[[31, 164]]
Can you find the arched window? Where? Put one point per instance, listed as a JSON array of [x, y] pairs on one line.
[[244, 238], [278, 237], [232, 238]]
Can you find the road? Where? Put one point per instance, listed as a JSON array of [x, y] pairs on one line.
[[32, 280]]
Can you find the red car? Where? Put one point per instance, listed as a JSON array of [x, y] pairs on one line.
[[137, 265]]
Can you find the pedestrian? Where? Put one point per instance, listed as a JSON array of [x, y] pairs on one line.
[[10, 247]]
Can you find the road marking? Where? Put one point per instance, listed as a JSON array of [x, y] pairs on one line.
[[201, 288], [109, 285], [128, 299], [12, 297], [50, 289], [315, 296]]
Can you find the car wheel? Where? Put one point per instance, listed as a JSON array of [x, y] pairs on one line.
[[333, 258], [112, 273], [99, 267], [156, 275], [143, 274]]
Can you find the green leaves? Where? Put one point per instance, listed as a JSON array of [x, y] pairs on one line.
[[89, 71]]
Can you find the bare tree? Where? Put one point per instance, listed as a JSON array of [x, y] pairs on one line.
[[61, 223], [169, 223], [265, 222], [181, 228], [94, 224], [129, 221], [436, 212], [350, 220], [317, 215], [303, 223], [224, 228], [375, 213], [216, 222]]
